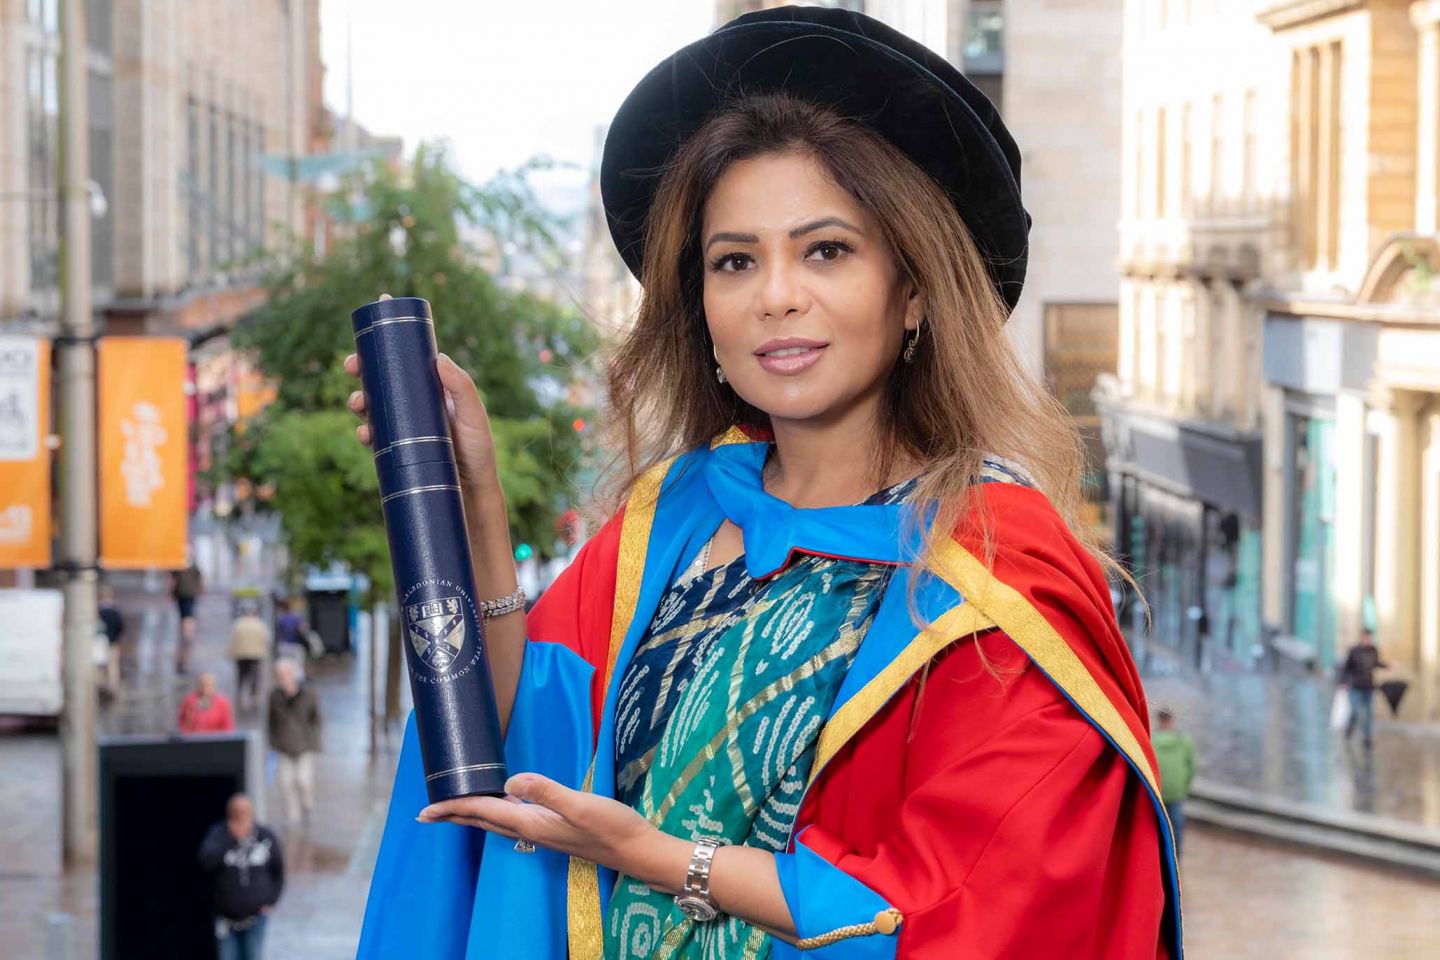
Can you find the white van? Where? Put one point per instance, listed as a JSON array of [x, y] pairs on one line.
[[30, 652]]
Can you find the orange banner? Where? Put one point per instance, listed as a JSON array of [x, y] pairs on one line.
[[144, 440], [24, 453]]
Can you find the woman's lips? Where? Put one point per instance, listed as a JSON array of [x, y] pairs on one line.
[[790, 359]]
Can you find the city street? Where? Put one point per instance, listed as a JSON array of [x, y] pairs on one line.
[[328, 862], [1243, 898]]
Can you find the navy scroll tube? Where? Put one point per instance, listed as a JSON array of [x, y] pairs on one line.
[[454, 696]]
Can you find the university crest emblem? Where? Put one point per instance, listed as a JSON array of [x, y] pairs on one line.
[[437, 630]]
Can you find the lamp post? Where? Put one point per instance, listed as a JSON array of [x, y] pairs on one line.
[[75, 361]]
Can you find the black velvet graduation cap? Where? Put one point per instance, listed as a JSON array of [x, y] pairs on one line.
[[863, 69]]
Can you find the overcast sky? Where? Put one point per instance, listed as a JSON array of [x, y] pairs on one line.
[[501, 80]]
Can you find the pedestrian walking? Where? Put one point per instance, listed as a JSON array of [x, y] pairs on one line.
[[113, 623], [1175, 756], [249, 646], [206, 709], [293, 723], [1357, 675], [290, 632], [186, 586], [249, 875]]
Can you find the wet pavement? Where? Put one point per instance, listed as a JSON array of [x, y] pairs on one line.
[[1248, 900], [1270, 733]]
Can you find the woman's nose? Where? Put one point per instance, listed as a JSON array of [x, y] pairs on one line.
[[781, 291]]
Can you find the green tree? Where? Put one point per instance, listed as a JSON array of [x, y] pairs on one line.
[[424, 232]]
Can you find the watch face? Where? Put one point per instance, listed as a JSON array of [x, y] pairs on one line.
[[695, 909]]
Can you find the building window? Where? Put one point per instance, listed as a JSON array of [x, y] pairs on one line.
[[1137, 176], [191, 189], [1082, 341], [1315, 153], [241, 203], [1186, 162], [1217, 338], [1162, 206], [98, 22], [208, 195], [1217, 150], [257, 170], [44, 14], [233, 243], [1249, 184], [42, 109], [983, 53], [102, 166]]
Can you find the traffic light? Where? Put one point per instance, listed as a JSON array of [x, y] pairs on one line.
[[524, 552]]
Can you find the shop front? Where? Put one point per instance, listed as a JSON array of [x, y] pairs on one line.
[[1321, 482], [1186, 503]]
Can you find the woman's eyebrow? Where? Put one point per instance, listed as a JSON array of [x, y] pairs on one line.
[[800, 231], [726, 237], [821, 224]]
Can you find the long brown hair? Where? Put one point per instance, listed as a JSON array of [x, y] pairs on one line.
[[966, 396]]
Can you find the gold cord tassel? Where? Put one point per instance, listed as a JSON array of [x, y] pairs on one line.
[[885, 923]]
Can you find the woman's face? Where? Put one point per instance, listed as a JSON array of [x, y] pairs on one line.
[[802, 295]]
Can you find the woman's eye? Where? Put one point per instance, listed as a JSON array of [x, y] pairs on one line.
[[730, 262], [828, 250]]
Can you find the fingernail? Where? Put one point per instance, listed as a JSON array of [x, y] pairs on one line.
[[386, 296]]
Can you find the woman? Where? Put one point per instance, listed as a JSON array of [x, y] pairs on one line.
[[837, 676], [205, 709]]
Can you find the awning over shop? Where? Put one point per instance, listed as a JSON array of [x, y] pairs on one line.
[[1222, 470]]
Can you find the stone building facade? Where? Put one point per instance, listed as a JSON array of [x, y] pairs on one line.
[[197, 112], [1352, 339], [1280, 332]]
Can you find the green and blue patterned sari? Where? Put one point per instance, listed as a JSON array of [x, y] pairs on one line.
[[717, 720]]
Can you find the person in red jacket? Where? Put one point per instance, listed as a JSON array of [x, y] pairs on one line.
[[205, 709], [838, 675]]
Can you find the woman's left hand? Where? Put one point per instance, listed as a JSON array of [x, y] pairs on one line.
[[583, 825]]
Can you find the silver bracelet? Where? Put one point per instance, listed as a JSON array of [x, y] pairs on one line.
[[507, 604]]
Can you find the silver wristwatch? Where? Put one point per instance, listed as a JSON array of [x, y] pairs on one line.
[[694, 898]]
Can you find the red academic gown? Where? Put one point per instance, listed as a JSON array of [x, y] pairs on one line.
[[980, 802]]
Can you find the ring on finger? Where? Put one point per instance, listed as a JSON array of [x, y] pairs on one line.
[[524, 846]]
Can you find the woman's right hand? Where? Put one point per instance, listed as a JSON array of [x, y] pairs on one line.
[[469, 428]]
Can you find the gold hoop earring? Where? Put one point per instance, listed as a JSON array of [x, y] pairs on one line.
[[909, 355], [719, 370]]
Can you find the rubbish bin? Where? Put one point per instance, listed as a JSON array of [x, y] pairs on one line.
[[328, 597], [158, 797]]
